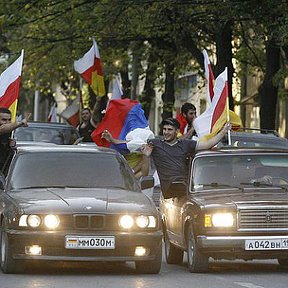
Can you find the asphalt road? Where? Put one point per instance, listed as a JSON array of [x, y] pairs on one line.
[[228, 274]]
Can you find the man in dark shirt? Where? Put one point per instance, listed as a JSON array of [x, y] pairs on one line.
[[170, 154], [6, 127]]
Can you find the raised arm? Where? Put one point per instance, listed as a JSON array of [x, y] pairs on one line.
[[207, 144], [108, 136], [147, 149], [8, 127]]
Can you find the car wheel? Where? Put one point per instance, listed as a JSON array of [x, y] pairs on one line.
[[283, 262], [173, 254], [151, 266], [197, 262], [8, 264]]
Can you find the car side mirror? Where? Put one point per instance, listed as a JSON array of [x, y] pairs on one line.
[[176, 189], [146, 182]]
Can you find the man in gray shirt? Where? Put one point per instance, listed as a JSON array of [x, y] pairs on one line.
[[171, 155]]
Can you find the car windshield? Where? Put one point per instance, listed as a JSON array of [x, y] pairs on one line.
[[242, 171], [57, 135], [63, 169]]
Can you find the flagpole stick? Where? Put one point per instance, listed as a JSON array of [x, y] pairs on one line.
[[228, 119]]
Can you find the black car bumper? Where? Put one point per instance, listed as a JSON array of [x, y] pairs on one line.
[[53, 246]]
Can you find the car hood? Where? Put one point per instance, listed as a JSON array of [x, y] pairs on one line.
[[247, 197], [81, 200]]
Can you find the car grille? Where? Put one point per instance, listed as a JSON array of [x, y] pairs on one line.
[[89, 221], [260, 219]]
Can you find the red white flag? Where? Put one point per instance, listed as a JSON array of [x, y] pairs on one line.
[[234, 119], [209, 76], [10, 84], [90, 69], [71, 113], [210, 122], [52, 117]]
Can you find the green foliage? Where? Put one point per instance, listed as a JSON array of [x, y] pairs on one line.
[[55, 33]]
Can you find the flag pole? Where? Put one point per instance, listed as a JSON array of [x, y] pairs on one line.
[[227, 107]]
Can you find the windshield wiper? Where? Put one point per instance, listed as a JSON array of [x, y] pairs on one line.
[[217, 185], [261, 184], [47, 187]]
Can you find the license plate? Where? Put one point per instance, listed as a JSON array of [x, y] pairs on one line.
[[275, 244], [90, 242]]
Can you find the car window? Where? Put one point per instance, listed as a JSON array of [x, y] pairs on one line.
[[58, 169], [237, 170], [50, 134]]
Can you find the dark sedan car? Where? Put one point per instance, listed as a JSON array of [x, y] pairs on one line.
[[234, 207], [256, 138], [57, 133], [71, 203]]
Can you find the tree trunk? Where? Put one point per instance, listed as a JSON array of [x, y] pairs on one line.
[[168, 96], [136, 62], [224, 55], [126, 83], [268, 91], [149, 93]]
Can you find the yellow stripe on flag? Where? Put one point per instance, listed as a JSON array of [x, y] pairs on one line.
[[97, 84], [13, 109]]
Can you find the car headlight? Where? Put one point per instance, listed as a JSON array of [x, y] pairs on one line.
[[33, 221], [23, 221], [51, 221], [222, 220], [126, 221], [142, 221]]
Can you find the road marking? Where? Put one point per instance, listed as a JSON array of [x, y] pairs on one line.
[[248, 285]]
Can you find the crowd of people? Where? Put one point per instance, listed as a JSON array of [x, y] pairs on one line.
[[171, 153]]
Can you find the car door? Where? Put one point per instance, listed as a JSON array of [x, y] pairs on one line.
[[172, 211]]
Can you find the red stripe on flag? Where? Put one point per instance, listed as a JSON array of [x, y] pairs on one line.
[[211, 82], [220, 106], [11, 94], [87, 75], [98, 66], [74, 120]]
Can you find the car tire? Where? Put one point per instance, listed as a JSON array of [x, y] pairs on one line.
[[173, 254], [7, 263], [196, 261], [283, 262], [151, 266]]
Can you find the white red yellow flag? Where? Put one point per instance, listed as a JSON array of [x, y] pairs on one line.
[[234, 119], [210, 122], [10, 84], [90, 69], [72, 112]]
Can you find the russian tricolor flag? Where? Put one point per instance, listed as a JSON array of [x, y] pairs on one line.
[[122, 117]]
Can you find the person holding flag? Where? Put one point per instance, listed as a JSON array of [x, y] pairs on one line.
[[125, 129], [6, 127], [90, 69], [171, 155]]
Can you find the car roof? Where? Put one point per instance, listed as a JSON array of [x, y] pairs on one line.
[[65, 148], [226, 150], [50, 124], [246, 139]]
